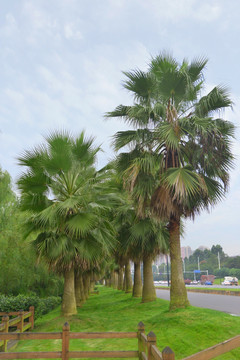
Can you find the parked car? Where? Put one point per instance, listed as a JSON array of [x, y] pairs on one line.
[[194, 282], [230, 280], [187, 281], [208, 282], [226, 282], [205, 278]]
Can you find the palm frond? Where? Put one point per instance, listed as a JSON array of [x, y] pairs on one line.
[[163, 63], [196, 67], [139, 83], [131, 138], [217, 99], [120, 111], [80, 224], [170, 134]]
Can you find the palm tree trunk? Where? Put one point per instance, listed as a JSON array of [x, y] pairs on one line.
[[178, 292], [149, 292], [124, 280], [83, 297], [137, 285], [115, 280], [69, 302], [89, 283], [92, 285], [112, 279], [92, 281], [128, 277], [120, 278], [86, 285], [78, 289]]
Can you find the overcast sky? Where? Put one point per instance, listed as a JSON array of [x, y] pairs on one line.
[[61, 68]]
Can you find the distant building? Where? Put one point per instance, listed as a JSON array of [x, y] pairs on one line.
[[186, 251]]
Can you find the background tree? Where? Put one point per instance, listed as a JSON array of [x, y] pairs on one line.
[[16, 257]]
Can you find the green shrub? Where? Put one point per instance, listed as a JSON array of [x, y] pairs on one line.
[[21, 302]]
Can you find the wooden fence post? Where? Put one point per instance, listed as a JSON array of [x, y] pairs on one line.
[[5, 319], [31, 319], [141, 345], [21, 313], [151, 340], [65, 341], [168, 354]]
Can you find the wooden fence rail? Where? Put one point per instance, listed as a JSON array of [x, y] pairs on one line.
[[147, 349], [18, 322], [216, 350]]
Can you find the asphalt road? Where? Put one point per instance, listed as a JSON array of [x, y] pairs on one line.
[[226, 303]]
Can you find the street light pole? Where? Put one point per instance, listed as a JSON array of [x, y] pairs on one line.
[[219, 265]]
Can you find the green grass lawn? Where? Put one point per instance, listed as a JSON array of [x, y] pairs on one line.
[[185, 331]]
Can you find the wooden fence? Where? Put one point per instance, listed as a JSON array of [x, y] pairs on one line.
[[149, 352], [147, 349], [216, 350], [19, 321]]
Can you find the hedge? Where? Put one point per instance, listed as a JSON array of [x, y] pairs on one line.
[[22, 302]]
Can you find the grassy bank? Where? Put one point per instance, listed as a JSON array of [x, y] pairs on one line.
[[185, 331], [206, 288]]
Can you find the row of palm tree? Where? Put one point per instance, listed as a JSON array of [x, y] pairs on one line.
[[179, 155], [139, 240], [81, 220]]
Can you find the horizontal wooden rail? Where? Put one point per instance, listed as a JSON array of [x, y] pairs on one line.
[[216, 350], [31, 336], [11, 313], [103, 354], [32, 355], [98, 335]]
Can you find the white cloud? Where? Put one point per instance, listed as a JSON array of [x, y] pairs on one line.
[[70, 32], [39, 19], [176, 10], [10, 26]]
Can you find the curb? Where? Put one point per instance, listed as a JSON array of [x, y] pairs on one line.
[[203, 291]]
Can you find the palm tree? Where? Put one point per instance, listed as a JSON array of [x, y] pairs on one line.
[[184, 145], [66, 205], [123, 221], [140, 239], [148, 239]]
